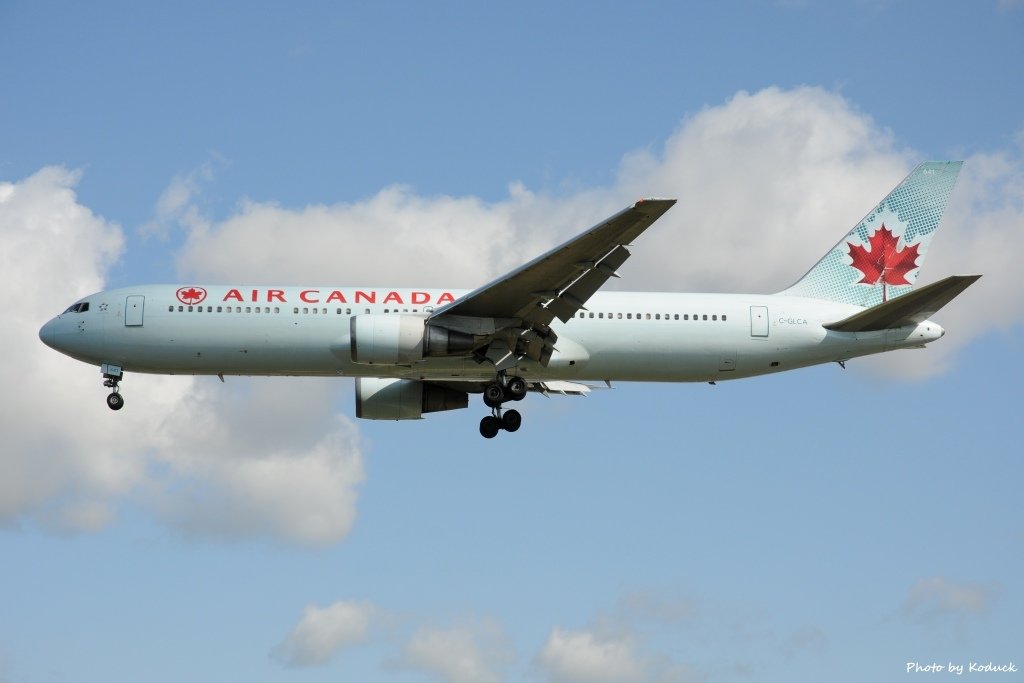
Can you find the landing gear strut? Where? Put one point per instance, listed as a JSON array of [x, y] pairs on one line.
[[496, 393], [111, 378]]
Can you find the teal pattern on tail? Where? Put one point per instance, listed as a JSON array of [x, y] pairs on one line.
[[881, 257]]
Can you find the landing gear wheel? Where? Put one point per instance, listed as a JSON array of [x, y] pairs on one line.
[[490, 426], [493, 395], [115, 401], [511, 420], [516, 388]]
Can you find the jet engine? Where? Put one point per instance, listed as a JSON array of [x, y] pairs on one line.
[[404, 399], [393, 339]]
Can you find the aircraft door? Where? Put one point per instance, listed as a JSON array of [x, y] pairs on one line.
[[133, 310], [758, 321]]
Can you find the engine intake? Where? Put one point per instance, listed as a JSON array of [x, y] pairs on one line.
[[399, 339]]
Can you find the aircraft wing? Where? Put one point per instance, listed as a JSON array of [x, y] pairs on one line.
[[558, 283]]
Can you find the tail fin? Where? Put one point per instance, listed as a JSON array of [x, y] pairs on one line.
[[881, 257]]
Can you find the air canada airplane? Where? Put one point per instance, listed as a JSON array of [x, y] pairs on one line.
[[543, 327]]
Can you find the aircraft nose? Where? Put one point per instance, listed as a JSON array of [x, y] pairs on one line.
[[46, 333]]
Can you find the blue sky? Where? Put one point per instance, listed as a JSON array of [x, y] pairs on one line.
[[825, 523]]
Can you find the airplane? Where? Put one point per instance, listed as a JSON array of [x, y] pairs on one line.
[[544, 327]]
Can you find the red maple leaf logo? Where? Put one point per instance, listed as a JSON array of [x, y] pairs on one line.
[[883, 264], [191, 295]]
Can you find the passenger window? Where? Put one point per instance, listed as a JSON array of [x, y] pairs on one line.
[[170, 309], [190, 309], [723, 317], [248, 309], [677, 316], [686, 316], [648, 316], [657, 316], [705, 316], [714, 317]]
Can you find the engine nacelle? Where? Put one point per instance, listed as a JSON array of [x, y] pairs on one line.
[[393, 339], [403, 399]]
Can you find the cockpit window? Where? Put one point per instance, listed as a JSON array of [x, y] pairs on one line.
[[80, 307]]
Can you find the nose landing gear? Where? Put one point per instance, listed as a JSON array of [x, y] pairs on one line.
[[496, 393], [112, 375]]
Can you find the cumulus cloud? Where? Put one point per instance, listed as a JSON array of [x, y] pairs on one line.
[[177, 203], [937, 598], [244, 459], [322, 633], [58, 461], [767, 183], [587, 657], [476, 652], [260, 458]]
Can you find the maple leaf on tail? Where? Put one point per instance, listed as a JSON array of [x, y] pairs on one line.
[[884, 264]]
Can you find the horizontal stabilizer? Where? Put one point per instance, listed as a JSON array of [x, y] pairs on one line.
[[909, 309]]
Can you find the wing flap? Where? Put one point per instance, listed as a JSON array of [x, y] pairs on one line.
[[911, 308], [575, 296]]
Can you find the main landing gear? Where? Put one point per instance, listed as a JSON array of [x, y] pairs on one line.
[[496, 393], [111, 378]]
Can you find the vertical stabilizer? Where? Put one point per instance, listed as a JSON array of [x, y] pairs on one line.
[[881, 257]]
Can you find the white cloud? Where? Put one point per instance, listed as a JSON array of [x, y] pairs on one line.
[[322, 633], [586, 657], [394, 237], [936, 598], [176, 204], [474, 652], [58, 461], [767, 183], [246, 459], [260, 458]]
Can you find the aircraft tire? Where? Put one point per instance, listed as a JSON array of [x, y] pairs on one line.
[[115, 401], [489, 427], [493, 395], [511, 420], [516, 388]]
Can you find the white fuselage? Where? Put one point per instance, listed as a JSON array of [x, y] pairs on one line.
[[627, 336]]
